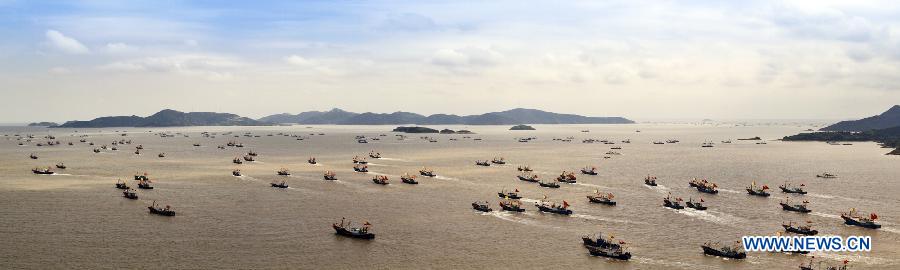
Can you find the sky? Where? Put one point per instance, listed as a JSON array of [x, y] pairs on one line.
[[77, 60]]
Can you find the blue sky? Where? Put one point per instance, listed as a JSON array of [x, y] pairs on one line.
[[69, 60]]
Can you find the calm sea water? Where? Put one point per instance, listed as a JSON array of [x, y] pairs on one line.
[[77, 219]]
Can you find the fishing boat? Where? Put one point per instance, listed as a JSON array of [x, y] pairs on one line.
[[589, 170], [252, 154], [511, 205], [482, 206], [799, 229], [357, 160], [704, 186], [509, 194], [167, 211], [673, 203], [130, 194], [373, 154], [548, 184], [60, 166], [602, 198], [852, 218], [482, 163], [283, 172], [144, 184], [715, 249], [787, 188], [826, 175], [755, 190], [696, 205], [237, 161], [329, 175], [529, 177], [283, 184], [162, 155], [353, 232], [498, 160], [707, 145], [819, 266], [121, 184], [361, 168], [524, 168], [311, 160], [196, 145], [605, 247], [42, 171], [33, 156], [427, 172], [650, 181], [566, 177], [551, 207], [236, 172], [408, 179], [380, 179], [801, 208], [96, 150], [249, 158]]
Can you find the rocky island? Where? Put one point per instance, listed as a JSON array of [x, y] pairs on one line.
[[167, 118], [521, 127], [415, 130], [43, 124], [860, 130]]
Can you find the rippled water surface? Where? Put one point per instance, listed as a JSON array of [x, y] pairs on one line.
[[77, 219]]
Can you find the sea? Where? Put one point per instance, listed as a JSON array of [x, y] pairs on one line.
[[77, 219]]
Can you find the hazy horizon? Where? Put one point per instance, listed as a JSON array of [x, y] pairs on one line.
[[812, 60]]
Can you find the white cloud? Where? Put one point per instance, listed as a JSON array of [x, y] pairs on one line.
[[119, 47], [211, 67], [298, 61], [65, 44]]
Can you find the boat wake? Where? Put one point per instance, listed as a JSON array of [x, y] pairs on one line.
[[508, 216], [445, 178], [658, 188], [593, 186], [529, 200], [711, 216], [394, 159], [63, 174], [825, 215], [376, 164], [590, 217], [821, 196], [854, 258], [730, 191]]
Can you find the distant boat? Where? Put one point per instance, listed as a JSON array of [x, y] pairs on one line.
[[283, 172], [482, 206], [755, 190], [144, 184], [548, 184], [61, 166], [733, 252], [550, 207], [380, 179], [826, 175], [353, 232], [499, 161], [427, 172], [787, 188], [529, 177], [801, 208], [237, 161], [566, 177], [509, 195], [167, 211], [311, 160], [799, 229], [408, 179], [524, 168], [42, 171], [852, 218], [589, 170], [129, 193], [511, 205], [602, 198], [695, 204], [121, 184], [329, 175], [673, 203], [650, 181], [361, 168], [236, 172], [482, 163], [279, 185]]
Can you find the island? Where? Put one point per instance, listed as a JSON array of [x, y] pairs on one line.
[[463, 131], [447, 131], [751, 139], [521, 127], [508, 117], [860, 131], [415, 130], [167, 118], [43, 124]]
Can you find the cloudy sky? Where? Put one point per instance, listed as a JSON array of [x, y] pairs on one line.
[[65, 60]]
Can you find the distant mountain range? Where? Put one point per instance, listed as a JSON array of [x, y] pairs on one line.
[[888, 119], [167, 118], [510, 117]]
